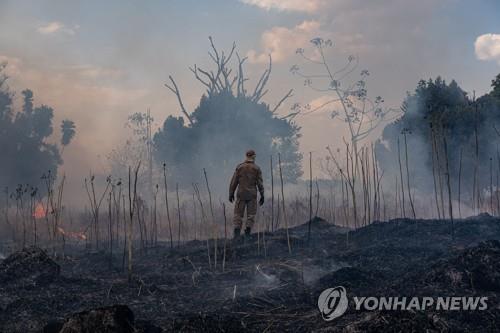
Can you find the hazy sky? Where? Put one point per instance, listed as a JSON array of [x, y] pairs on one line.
[[96, 62]]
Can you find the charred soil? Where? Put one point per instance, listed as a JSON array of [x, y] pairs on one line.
[[262, 287]]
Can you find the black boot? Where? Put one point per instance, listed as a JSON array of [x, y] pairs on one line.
[[237, 232], [247, 231]]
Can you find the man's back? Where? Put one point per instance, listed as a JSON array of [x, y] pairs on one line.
[[247, 177]]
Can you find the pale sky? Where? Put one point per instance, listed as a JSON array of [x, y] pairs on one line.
[[96, 62]]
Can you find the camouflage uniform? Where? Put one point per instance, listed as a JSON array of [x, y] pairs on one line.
[[247, 178]]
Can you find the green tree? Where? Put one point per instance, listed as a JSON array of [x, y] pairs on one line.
[[27, 153], [228, 121], [495, 84], [437, 109]]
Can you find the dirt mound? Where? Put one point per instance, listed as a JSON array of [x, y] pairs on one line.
[[112, 319], [31, 264], [476, 268]]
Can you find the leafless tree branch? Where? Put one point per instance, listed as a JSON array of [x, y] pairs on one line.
[[176, 91]]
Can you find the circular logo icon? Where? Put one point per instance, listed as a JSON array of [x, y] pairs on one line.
[[332, 303]]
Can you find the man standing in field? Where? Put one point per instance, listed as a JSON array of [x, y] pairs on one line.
[[247, 178]]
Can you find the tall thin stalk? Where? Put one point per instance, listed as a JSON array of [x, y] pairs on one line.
[[450, 205], [498, 183], [155, 216], [310, 199], [195, 218], [433, 153], [477, 201], [132, 203], [283, 206], [213, 217], [460, 184], [203, 219], [167, 207], [225, 237], [272, 194], [317, 198], [178, 216], [491, 186], [403, 208], [110, 228], [408, 177], [95, 203]]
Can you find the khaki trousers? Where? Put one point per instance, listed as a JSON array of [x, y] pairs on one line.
[[239, 212]]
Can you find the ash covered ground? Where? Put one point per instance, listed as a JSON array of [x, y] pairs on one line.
[[262, 288]]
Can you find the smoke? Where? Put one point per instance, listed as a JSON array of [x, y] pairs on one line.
[[230, 119], [447, 133]]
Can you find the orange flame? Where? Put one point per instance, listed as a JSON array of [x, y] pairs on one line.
[[39, 212], [71, 234]]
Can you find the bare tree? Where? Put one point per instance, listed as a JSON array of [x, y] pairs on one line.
[[360, 113], [95, 203], [132, 205], [351, 104], [225, 79]]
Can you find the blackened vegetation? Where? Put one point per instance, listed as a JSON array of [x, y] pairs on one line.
[[116, 318], [29, 266], [263, 287]]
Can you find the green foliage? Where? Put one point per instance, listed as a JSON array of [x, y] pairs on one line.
[[24, 139], [445, 110], [224, 127], [495, 84], [68, 131]]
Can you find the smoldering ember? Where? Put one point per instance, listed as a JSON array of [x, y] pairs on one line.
[[249, 166]]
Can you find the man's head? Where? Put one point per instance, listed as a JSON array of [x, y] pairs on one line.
[[250, 154]]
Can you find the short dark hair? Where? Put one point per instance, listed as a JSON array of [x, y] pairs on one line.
[[250, 153]]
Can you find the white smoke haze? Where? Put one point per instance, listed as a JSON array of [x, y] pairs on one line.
[[99, 72]]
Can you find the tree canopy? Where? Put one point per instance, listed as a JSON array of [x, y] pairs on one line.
[[228, 121], [437, 110], [27, 153]]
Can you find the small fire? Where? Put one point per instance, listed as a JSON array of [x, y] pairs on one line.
[[71, 234], [39, 212]]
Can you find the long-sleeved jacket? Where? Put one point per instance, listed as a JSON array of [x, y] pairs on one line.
[[247, 178]]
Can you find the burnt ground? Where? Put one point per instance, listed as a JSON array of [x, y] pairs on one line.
[[263, 289]]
